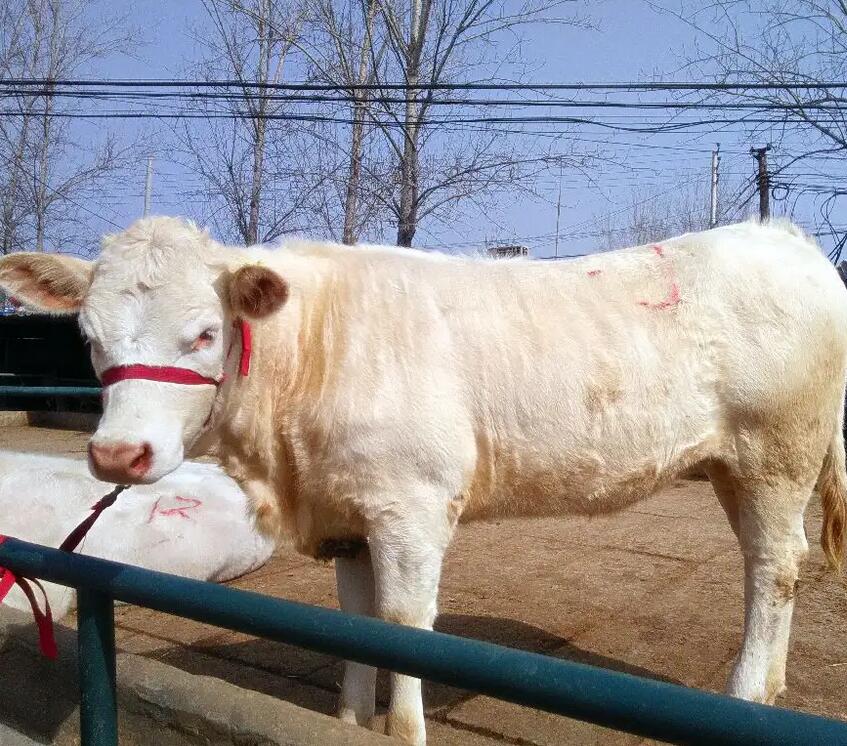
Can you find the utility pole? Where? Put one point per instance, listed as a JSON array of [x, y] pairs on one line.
[[764, 183], [558, 211], [713, 198], [148, 185]]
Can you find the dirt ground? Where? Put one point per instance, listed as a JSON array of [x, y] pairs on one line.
[[655, 590]]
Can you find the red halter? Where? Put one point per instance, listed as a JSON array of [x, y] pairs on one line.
[[174, 374]]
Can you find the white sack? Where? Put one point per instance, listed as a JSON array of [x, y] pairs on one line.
[[193, 522]]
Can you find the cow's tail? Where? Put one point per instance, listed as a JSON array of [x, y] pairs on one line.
[[832, 487]]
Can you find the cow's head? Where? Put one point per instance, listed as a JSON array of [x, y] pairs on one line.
[[162, 294]]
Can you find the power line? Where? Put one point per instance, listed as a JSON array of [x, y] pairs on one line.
[[130, 97], [299, 86], [679, 126]]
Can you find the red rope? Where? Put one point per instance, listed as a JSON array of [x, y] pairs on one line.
[[78, 534], [44, 620]]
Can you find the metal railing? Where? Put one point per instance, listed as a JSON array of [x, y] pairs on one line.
[[645, 707], [50, 391]]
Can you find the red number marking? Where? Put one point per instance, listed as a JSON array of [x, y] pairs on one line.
[[673, 297], [669, 302], [192, 503]]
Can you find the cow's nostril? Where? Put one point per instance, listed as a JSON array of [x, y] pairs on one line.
[[120, 462], [98, 453], [141, 463]]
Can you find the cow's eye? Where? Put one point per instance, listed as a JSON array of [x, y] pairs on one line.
[[204, 340]]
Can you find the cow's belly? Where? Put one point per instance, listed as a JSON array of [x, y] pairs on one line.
[[557, 476]]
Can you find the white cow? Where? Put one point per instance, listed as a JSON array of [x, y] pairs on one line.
[[394, 393], [193, 522]]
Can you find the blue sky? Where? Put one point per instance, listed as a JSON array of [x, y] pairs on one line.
[[632, 42]]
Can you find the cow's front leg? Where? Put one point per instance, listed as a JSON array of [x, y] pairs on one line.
[[407, 553], [355, 582]]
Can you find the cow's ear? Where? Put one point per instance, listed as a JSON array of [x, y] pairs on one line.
[[256, 292], [46, 282]]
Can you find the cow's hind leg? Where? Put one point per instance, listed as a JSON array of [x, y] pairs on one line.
[[355, 582], [773, 542]]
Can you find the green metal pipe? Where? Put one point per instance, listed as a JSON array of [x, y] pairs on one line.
[[648, 708], [98, 709], [50, 391]]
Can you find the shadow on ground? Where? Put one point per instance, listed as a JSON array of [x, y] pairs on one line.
[[312, 680]]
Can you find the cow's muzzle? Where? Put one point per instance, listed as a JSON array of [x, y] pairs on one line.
[[121, 463]]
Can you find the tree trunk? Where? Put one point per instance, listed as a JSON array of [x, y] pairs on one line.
[[12, 198], [41, 188], [42, 202], [252, 236], [351, 199], [357, 135], [409, 174], [407, 224]]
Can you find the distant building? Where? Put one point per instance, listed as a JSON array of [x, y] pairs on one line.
[[508, 252]]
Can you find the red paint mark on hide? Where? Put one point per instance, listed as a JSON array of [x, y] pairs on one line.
[[594, 272], [192, 503], [153, 510], [673, 297], [669, 302]]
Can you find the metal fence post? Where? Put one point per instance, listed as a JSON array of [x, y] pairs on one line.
[[98, 711]]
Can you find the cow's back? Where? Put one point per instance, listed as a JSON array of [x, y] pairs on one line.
[[591, 383]]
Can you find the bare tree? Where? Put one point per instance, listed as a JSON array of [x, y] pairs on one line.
[[405, 164], [13, 131], [252, 163], [791, 51], [46, 170], [344, 49], [395, 162], [432, 44], [652, 218], [790, 46]]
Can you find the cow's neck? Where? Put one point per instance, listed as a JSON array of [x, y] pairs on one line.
[[258, 430]]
